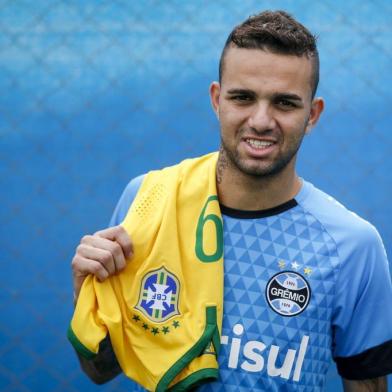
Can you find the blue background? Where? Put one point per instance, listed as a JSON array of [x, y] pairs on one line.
[[93, 93]]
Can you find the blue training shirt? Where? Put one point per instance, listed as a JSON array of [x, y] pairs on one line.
[[304, 281]]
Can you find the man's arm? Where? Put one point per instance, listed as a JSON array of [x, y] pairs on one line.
[[104, 366], [102, 255], [379, 384]]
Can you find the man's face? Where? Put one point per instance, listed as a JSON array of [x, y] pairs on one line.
[[265, 108]]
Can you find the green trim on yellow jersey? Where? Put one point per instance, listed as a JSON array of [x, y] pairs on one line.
[[198, 378], [211, 334], [79, 347]]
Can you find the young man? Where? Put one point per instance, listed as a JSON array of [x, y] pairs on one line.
[[304, 278]]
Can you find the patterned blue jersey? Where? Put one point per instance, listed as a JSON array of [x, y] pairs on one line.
[[304, 282]]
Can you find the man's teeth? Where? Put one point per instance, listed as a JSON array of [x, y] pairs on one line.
[[259, 143]]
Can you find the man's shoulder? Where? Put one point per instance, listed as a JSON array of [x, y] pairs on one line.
[[193, 167], [339, 221], [126, 199]]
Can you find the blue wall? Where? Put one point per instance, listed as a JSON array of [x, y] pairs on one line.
[[96, 92]]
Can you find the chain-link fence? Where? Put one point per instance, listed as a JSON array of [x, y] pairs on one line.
[[95, 92]]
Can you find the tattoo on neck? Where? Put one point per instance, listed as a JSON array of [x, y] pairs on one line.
[[221, 165]]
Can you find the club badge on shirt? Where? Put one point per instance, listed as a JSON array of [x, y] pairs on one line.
[[158, 296], [288, 293]]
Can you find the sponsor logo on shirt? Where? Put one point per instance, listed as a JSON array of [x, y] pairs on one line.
[[288, 293], [258, 356]]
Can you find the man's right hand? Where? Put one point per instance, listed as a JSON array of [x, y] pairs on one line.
[[102, 254]]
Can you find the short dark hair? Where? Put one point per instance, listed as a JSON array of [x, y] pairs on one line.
[[278, 32]]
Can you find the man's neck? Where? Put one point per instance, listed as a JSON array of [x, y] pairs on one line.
[[239, 191]]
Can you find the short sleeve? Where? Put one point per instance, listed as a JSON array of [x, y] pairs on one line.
[[87, 329], [126, 200], [362, 320]]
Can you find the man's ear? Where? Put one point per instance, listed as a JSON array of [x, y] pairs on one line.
[[315, 113], [214, 96]]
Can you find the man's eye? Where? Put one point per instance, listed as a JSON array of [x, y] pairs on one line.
[[241, 98], [286, 104]]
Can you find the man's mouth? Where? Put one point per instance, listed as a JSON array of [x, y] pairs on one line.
[[259, 144]]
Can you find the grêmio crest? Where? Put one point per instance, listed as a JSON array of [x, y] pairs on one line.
[[158, 296], [288, 293]]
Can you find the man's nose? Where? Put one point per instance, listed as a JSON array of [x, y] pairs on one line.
[[261, 118]]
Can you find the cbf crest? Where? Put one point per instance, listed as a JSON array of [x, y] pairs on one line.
[[159, 294]]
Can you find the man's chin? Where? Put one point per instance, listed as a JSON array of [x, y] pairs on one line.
[[255, 169]]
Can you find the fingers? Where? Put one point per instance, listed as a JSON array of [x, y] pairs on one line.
[[83, 267], [102, 254], [97, 250], [111, 247], [119, 235]]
